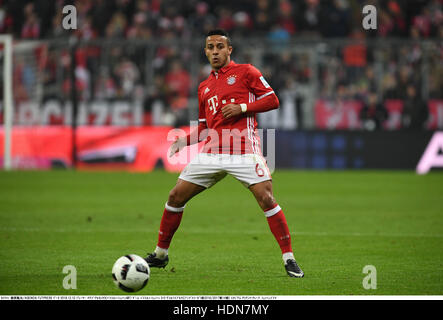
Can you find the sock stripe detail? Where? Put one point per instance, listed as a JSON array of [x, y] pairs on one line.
[[172, 209], [271, 212]]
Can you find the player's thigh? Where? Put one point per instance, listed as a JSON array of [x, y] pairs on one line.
[[204, 170], [252, 171], [264, 195], [182, 192], [249, 169]]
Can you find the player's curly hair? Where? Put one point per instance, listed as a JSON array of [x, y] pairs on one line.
[[220, 32]]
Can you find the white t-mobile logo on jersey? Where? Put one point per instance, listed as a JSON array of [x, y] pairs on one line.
[[213, 104]]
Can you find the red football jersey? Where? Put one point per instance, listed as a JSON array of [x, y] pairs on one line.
[[234, 83]]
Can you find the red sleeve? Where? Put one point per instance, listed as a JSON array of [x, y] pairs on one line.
[[190, 138], [194, 136], [267, 103], [265, 97], [257, 84], [201, 106]]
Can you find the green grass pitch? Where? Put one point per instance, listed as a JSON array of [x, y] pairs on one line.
[[340, 222]]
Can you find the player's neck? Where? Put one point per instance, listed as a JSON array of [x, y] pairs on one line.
[[218, 69]]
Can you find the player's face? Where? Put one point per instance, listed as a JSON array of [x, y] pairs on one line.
[[218, 51]]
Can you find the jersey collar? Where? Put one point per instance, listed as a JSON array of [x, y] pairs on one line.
[[225, 68]]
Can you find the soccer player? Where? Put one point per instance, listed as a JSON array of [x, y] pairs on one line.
[[228, 102]]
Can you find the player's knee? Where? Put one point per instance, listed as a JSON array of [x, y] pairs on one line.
[[266, 201], [175, 199]]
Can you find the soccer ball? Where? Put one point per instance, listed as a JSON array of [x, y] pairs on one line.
[[131, 273]]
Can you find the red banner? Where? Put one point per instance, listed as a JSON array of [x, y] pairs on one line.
[[39, 147], [395, 110], [345, 114], [337, 114], [98, 148], [435, 120]]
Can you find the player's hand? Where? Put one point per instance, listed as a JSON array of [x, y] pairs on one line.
[[177, 145], [231, 110]]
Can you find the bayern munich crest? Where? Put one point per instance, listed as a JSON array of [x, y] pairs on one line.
[[231, 79]]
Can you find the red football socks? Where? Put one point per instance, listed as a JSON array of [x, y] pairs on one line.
[[276, 219], [279, 228], [169, 224]]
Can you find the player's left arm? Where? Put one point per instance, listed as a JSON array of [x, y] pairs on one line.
[[197, 135], [266, 98]]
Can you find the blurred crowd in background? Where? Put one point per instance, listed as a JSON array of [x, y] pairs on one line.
[[351, 65], [146, 19]]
